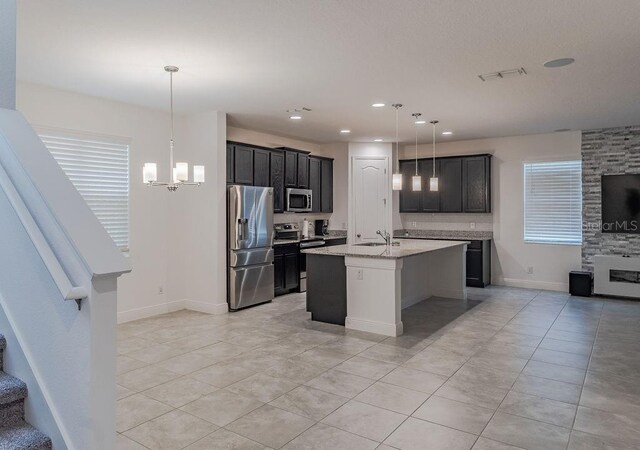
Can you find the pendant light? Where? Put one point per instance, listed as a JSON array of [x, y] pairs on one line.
[[178, 175], [396, 182], [416, 180], [433, 181]]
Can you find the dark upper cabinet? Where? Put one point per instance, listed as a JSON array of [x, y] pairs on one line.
[[230, 164], [326, 186], [450, 185], [290, 169], [303, 171], [476, 194], [243, 165], [276, 180], [409, 199], [261, 167], [429, 200], [315, 183]]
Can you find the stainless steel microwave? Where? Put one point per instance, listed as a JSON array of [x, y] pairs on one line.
[[299, 200]]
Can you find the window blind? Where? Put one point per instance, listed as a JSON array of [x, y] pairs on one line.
[[553, 202], [99, 170]]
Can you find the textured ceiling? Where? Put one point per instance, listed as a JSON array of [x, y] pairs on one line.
[[255, 59]]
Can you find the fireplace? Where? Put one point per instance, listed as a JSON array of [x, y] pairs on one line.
[[617, 276]]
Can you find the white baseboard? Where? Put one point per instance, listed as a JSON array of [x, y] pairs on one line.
[[209, 308], [533, 284], [370, 326], [177, 305], [149, 311]]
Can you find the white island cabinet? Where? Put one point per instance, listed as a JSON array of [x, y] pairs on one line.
[[383, 280]]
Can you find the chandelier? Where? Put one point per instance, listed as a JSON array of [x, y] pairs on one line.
[[178, 174]]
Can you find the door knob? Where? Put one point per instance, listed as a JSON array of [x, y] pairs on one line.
[[358, 235]]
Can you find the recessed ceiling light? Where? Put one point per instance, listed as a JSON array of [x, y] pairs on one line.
[[420, 122], [447, 133], [377, 140], [559, 62], [295, 117], [345, 131], [378, 105]]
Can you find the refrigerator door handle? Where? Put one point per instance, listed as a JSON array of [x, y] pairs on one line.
[[241, 224]]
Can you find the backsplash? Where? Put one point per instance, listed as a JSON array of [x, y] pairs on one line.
[[298, 217], [449, 222]]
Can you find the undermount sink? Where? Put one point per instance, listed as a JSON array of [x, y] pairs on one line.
[[372, 244]]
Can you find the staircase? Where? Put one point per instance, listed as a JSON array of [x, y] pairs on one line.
[[15, 433]]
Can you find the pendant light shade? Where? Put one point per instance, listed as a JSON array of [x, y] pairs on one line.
[[433, 181], [416, 180], [396, 181]]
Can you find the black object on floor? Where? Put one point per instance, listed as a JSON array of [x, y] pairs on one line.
[[580, 283]]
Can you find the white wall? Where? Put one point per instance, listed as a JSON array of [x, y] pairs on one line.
[[8, 54], [511, 256], [198, 239], [154, 227]]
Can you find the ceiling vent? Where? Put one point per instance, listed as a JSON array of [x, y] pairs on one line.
[[298, 110], [509, 73]]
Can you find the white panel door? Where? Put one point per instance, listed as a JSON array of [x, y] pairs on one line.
[[370, 202]]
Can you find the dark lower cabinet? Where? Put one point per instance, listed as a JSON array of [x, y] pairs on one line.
[[286, 268], [479, 263], [261, 167], [276, 180], [243, 165], [450, 185], [315, 183], [326, 186], [476, 173], [327, 288]]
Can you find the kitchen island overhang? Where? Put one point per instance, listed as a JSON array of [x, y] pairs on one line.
[[380, 281]]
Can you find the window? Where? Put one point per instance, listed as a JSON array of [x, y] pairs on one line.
[[99, 169], [553, 202]]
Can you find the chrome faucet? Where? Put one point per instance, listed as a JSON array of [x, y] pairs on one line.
[[385, 235]]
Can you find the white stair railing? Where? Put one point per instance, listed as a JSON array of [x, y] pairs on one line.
[[61, 279]]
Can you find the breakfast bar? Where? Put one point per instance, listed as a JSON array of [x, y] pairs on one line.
[[366, 286]]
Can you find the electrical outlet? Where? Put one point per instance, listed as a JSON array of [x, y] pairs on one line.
[[472, 225], [414, 224], [359, 275], [530, 270], [160, 290]]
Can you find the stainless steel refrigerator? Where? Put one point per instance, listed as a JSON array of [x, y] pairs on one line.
[[250, 241]]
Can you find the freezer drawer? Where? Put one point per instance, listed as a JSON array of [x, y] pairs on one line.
[[250, 285], [239, 258]]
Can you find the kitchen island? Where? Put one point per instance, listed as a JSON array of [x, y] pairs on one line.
[[365, 287]]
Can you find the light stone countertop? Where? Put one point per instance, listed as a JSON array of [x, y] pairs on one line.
[[471, 235], [407, 247]]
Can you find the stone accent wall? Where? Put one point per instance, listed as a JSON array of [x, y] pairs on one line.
[[608, 151]]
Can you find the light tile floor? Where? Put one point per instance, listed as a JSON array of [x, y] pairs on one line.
[[509, 368]]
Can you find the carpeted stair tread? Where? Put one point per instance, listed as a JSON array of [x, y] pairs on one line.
[[11, 389], [3, 342], [23, 437]]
